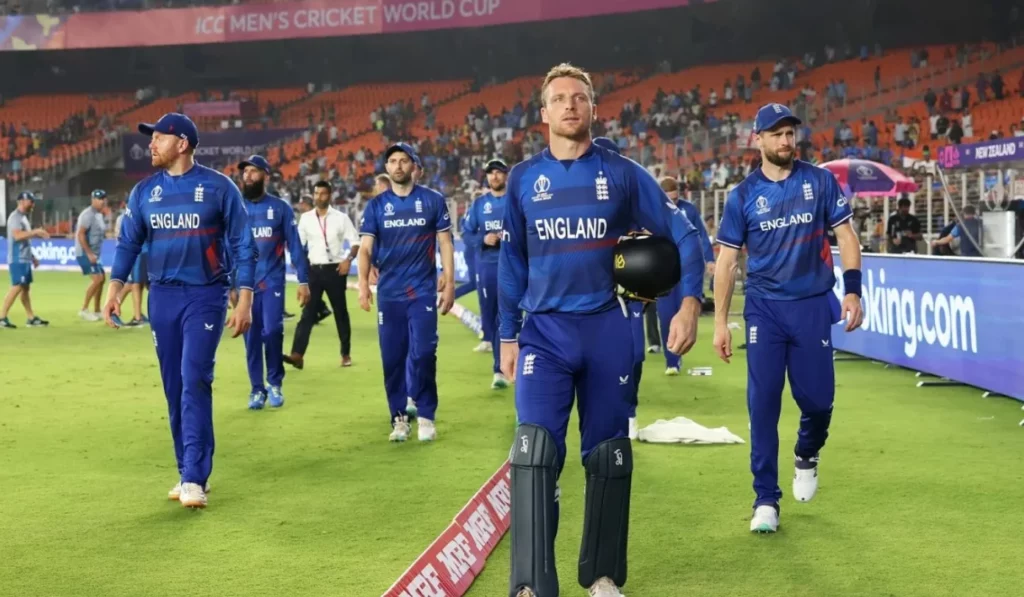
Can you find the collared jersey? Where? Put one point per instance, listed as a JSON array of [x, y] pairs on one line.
[[273, 226], [18, 251], [562, 222], [485, 216], [191, 222], [95, 225], [783, 225], [405, 230]]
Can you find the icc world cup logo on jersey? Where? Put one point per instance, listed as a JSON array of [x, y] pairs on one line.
[[389, 210], [762, 206]]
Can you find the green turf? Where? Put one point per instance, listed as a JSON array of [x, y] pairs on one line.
[[918, 489]]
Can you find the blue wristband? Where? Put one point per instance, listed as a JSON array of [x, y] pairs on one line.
[[851, 281]]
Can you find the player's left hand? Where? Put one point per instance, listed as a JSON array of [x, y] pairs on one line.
[[852, 312], [303, 295], [241, 317], [440, 283], [447, 298], [35, 263], [682, 331], [374, 276]]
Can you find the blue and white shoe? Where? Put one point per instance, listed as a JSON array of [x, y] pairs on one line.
[[6, 323], [276, 397], [410, 408], [37, 322], [144, 320], [257, 399]]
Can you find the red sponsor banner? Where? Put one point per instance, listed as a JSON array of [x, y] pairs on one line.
[[453, 561], [293, 20]]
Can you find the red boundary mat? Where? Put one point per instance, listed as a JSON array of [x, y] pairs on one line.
[[448, 567]]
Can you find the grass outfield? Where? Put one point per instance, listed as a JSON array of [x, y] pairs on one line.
[[919, 492]]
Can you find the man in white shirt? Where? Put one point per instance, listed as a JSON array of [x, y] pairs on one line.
[[324, 230]]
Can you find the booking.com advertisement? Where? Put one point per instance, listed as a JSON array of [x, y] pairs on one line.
[[59, 254], [951, 317]]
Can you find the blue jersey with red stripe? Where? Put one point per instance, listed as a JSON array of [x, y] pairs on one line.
[[275, 229], [783, 225], [193, 223], [562, 222], [405, 231]]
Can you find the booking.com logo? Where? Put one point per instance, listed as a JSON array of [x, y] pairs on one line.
[[946, 319], [50, 252]]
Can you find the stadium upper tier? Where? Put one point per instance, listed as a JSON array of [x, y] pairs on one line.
[[873, 88]]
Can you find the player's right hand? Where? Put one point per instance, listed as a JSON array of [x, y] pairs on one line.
[[113, 307], [365, 296], [94, 258], [509, 358], [491, 239], [723, 341]]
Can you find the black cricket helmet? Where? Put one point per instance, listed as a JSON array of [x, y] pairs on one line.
[[646, 266]]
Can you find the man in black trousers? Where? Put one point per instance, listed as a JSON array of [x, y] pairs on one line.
[[324, 231]]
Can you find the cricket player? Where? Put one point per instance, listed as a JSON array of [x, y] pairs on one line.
[[400, 229], [187, 212], [91, 230], [483, 224], [667, 305], [20, 260], [273, 227], [781, 213], [567, 207], [138, 280]]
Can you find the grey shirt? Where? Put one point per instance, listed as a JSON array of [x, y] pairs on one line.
[[95, 226], [18, 251]]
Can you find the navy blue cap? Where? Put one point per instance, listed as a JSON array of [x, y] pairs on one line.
[[27, 195], [406, 149], [770, 115], [606, 143], [256, 161], [175, 124], [99, 194], [496, 164]]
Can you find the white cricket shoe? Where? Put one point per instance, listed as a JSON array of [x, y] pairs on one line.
[[672, 371], [500, 382], [192, 496], [634, 429], [174, 494], [604, 587], [425, 430], [87, 315], [764, 520], [400, 432], [653, 349], [805, 479], [525, 592], [484, 346]]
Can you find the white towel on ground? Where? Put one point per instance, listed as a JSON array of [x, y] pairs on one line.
[[681, 430]]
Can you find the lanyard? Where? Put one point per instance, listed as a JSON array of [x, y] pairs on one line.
[[323, 231]]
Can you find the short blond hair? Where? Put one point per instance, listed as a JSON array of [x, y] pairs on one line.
[[566, 70]]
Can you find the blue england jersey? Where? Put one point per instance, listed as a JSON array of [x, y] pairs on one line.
[[485, 216], [274, 229], [562, 222], [784, 226], [693, 215], [190, 223], [405, 229]]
